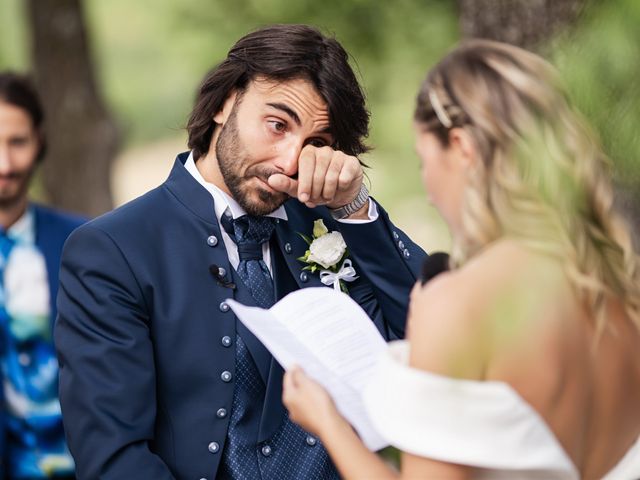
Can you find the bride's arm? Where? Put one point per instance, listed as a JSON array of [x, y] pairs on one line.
[[311, 406]]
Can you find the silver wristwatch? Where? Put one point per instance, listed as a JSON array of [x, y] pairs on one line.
[[353, 206]]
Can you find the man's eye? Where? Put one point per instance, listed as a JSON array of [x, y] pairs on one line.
[[19, 141], [277, 126], [318, 142]]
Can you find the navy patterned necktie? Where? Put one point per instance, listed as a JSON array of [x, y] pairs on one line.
[[249, 233], [240, 461], [289, 453]]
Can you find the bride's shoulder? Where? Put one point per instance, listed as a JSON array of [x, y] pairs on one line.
[[456, 318], [501, 269]]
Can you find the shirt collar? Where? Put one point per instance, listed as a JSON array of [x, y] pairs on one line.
[[23, 230], [222, 200]]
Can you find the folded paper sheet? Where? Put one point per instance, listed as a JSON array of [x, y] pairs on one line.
[[327, 334]]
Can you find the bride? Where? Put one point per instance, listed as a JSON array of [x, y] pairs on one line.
[[522, 361]]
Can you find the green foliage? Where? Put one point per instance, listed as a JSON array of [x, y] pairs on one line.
[[13, 46], [391, 457], [600, 62]]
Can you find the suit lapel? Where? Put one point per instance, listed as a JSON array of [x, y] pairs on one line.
[[199, 201], [286, 246], [292, 246]]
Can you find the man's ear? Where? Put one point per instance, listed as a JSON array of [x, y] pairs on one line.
[[223, 114], [461, 141]]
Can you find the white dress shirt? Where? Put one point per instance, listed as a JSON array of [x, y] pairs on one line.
[[24, 229]]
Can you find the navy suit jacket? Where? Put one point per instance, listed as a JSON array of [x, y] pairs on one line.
[[141, 321]]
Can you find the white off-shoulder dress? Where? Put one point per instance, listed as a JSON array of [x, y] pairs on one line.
[[483, 424]]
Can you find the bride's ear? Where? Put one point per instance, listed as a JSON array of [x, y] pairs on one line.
[[463, 144]]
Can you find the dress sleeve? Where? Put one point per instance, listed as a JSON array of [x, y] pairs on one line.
[[480, 424]]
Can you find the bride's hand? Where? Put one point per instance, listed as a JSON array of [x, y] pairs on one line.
[[309, 404]]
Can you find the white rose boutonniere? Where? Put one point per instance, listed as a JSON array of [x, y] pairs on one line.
[[328, 254]]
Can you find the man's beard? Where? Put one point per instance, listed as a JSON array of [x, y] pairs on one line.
[[15, 192], [232, 156]]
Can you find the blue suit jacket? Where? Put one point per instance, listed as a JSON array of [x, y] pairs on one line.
[[141, 321], [51, 231]]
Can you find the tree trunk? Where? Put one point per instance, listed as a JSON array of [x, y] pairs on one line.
[[81, 134], [525, 23]]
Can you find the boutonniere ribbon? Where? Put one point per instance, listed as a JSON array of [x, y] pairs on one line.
[[346, 273]]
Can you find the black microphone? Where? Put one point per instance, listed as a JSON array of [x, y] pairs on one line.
[[218, 274], [433, 265]]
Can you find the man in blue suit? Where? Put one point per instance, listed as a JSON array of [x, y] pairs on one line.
[[158, 379], [31, 240]]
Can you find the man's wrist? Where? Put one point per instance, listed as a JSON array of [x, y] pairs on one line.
[[362, 214], [354, 208]]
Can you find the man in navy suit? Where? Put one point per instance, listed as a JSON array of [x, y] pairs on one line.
[[158, 379], [31, 240]]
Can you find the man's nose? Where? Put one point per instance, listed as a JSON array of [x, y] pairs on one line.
[[288, 155], [5, 160]]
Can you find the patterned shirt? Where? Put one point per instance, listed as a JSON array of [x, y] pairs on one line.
[[35, 445]]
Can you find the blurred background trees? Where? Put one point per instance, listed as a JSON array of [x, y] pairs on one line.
[[525, 23], [82, 135], [143, 60]]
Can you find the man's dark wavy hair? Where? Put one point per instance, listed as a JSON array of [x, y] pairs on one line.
[[18, 90], [286, 52]]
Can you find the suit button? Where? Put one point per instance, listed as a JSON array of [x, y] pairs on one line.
[[224, 307], [226, 341], [266, 450], [304, 277], [406, 253], [311, 441], [214, 447], [395, 235], [212, 240], [221, 413], [226, 376], [401, 245], [221, 272], [287, 247]]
